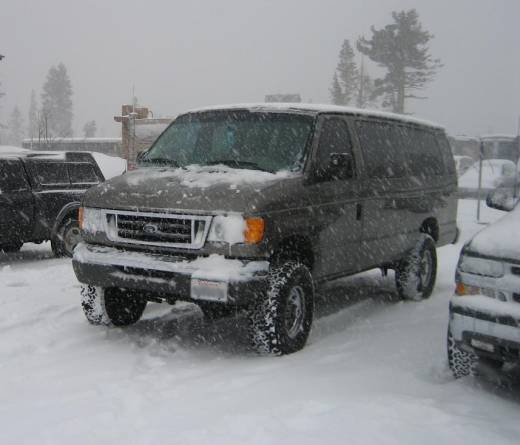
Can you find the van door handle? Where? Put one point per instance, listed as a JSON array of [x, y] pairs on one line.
[[359, 211]]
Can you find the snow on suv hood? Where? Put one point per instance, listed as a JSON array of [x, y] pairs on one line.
[[500, 239], [195, 188]]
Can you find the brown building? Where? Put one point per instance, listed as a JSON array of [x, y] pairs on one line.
[[138, 130]]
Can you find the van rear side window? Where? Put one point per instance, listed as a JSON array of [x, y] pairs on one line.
[[422, 153], [382, 151]]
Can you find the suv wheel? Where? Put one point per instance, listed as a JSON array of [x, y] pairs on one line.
[[415, 275], [67, 238], [461, 363], [280, 323], [15, 246], [111, 306]]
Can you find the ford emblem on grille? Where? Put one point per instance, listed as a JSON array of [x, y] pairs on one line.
[[150, 229]]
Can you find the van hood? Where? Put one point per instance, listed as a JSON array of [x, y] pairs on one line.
[[195, 188], [500, 239]]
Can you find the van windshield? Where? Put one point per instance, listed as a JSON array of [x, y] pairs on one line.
[[240, 139]]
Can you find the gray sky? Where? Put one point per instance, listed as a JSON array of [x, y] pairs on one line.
[[184, 54]]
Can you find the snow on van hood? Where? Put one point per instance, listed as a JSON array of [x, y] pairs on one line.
[[500, 239], [196, 188]]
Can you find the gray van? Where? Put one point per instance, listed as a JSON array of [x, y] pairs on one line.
[[248, 208]]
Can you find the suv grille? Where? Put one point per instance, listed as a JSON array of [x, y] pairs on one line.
[[159, 229]]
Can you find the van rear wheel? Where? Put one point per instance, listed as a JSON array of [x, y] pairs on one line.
[[416, 273]]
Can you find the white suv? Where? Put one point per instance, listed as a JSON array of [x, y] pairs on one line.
[[485, 310]]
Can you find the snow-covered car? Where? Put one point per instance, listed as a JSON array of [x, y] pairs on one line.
[[485, 310], [463, 163], [494, 172], [247, 208]]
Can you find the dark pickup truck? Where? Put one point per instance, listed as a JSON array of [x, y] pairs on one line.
[[40, 194]]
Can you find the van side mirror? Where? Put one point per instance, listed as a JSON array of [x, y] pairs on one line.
[[502, 199], [341, 166]]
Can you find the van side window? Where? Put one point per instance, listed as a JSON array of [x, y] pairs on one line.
[[382, 149], [334, 138], [422, 152], [12, 176]]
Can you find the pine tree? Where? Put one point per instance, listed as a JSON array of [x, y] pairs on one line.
[[336, 95], [15, 126], [57, 103], [347, 72], [402, 49], [89, 129], [32, 118]]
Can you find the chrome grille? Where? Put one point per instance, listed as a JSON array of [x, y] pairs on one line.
[[164, 229]]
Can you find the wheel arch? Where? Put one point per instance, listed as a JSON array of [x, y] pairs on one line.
[[70, 209], [294, 247], [430, 226]]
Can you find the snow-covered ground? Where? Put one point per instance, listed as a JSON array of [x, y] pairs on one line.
[[374, 370]]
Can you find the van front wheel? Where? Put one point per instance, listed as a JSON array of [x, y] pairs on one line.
[[281, 321], [416, 273]]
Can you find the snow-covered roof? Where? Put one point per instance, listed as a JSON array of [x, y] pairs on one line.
[[318, 108], [498, 137]]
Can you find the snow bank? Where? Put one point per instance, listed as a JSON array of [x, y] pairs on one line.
[[10, 149], [197, 176]]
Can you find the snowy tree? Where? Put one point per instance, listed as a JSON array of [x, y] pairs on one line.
[[15, 126], [336, 94], [346, 74], [402, 49], [32, 118], [89, 129], [57, 103]]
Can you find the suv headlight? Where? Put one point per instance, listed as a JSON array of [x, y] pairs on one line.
[[481, 266], [235, 229], [91, 220]]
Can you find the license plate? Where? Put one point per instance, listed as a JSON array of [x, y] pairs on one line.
[[202, 289], [482, 345]]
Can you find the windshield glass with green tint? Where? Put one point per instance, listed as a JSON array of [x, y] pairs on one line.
[[240, 139]]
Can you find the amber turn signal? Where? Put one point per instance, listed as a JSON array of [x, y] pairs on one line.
[[254, 232], [80, 217]]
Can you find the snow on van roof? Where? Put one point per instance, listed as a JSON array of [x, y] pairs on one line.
[[318, 108]]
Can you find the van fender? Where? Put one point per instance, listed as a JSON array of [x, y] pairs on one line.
[[69, 208]]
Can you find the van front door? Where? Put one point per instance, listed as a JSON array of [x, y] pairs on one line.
[[336, 216]]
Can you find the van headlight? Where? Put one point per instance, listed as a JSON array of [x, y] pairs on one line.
[[91, 220], [235, 229], [481, 266]]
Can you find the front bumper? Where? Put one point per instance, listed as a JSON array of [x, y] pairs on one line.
[[213, 278], [487, 333]]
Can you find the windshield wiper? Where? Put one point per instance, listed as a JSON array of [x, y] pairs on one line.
[[160, 161], [239, 164]]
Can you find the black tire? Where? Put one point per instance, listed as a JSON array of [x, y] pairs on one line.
[[461, 363], [216, 311], [66, 238], [12, 247], [117, 307], [280, 323], [416, 273]]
